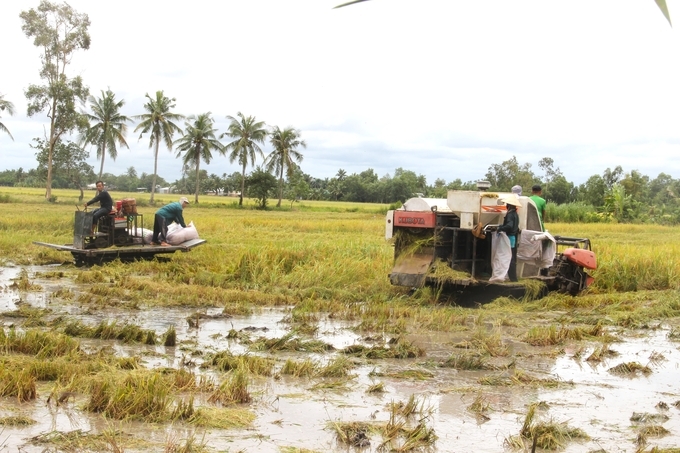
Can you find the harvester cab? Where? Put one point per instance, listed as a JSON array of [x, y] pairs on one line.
[[448, 243]]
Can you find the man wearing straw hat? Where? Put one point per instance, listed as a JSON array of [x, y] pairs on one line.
[[511, 228]]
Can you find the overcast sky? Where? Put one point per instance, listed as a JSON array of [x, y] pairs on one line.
[[441, 87]]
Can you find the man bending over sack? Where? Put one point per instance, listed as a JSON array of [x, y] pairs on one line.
[[167, 214]]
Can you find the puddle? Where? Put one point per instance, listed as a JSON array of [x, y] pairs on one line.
[[290, 413]]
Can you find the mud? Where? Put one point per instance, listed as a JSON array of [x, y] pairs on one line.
[[292, 414]]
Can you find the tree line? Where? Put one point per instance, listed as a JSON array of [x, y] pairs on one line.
[[59, 31]]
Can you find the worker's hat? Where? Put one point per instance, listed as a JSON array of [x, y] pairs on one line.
[[512, 199]]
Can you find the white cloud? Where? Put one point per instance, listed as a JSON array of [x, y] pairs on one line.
[[442, 88]]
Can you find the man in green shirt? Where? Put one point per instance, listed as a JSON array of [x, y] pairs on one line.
[[167, 214], [540, 203]]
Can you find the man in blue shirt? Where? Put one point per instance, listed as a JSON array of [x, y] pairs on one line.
[[167, 214]]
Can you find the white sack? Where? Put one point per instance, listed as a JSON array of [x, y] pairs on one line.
[[501, 255], [178, 235], [145, 234]]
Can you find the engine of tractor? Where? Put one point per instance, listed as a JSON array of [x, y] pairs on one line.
[[568, 270]]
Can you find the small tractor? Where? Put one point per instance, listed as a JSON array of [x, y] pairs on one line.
[[447, 243], [116, 228], [117, 235]]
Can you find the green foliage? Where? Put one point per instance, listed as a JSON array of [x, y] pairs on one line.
[[261, 185], [285, 156], [6, 105], [158, 122], [247, 134], [68, 162], [109, 126], [59, 30], [574, 212], [506, 174], [197, 144]]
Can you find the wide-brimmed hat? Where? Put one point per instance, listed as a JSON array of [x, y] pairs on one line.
[[184, 200], [512, 199]]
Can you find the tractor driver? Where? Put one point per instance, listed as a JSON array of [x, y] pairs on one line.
[[105, 203]]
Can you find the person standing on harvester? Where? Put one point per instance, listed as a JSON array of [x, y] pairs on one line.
[[511, 228], [167, 214], [540, 203]]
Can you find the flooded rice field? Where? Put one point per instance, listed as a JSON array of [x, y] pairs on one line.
[[619, 395]]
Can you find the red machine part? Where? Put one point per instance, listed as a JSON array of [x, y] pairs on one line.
[[581, 257], [415, 219]]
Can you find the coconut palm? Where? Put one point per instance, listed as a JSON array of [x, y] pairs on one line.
[[285, 154], [158, 121], [247, 133], [197, 144], [106, 126], [6, 105]]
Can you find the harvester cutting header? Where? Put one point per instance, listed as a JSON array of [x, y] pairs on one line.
[[452, 243]]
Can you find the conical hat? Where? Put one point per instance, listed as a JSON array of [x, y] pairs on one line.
[[512, 199]]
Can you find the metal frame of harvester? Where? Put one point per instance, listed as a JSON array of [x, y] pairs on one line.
[[455, 234]]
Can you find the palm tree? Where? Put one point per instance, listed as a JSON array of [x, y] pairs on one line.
[[159, 122], [284, 155], [197, 143], [109, 126], [6, 105], [247, 133]]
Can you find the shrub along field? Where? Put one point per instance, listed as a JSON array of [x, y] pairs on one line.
[[322, 257]]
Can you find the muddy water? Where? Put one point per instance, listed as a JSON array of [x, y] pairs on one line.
[[292, 414]]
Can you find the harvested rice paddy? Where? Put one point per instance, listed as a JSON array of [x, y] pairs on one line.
[[283, 334]]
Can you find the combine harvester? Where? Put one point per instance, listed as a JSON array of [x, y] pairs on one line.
[[447, 243], [118, 235]]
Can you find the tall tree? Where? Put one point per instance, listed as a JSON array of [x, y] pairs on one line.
[[6, 105], [158, 121], [508, 173], [247, 133], [285, 155], [109, 126], [68, 161], [197, 144], [59, 30]]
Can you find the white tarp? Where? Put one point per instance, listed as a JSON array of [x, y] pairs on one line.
[[537, 248]]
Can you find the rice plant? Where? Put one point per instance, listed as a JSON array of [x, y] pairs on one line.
[[233, 390]]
